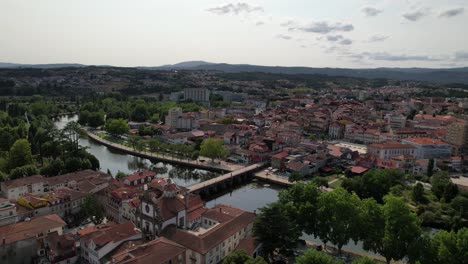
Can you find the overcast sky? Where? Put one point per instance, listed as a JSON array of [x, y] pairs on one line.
[[316, 33]]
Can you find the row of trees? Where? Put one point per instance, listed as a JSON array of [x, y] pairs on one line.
[[390, 229], [119, 107]]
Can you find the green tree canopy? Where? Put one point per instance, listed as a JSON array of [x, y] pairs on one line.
[[276, 229], [93, 209], [20, 154], [400, 231], [241, 257], [213, 149], [116, 126], [313, 256], [338, 217]]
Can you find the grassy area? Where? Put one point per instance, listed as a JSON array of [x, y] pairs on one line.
[[336, 184]]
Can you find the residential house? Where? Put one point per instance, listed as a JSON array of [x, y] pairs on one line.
[[23, 241]]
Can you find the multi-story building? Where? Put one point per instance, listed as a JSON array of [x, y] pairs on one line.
[[429, 148], [7, 212], [457, 136], [157, 251], [164, 204], [86, 180], [24, 241], [99, 243], [176, 119], [13, 189], [64, 202], [336, 130], [201, 95], [388, 149], [218, 233]]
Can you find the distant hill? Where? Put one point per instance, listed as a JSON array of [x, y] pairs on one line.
[[444, 76], [453, 75], [40, 66]]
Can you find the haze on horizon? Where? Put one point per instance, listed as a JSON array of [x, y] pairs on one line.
[[333, 33]]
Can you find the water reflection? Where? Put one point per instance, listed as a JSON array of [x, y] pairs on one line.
[[115, 161]]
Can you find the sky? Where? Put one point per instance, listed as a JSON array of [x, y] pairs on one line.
[[314, 33]]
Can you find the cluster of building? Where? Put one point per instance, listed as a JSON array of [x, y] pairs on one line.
[[312, 136], [148, 219]]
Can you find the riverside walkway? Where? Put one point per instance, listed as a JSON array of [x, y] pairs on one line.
[[233, 170], [206, 165]]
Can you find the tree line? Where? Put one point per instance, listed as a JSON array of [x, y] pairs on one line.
[[390, 229]]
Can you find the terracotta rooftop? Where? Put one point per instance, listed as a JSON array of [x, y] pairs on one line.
[[28, 229], [212, 237], [391, 145], [425, 141], [154, 252]]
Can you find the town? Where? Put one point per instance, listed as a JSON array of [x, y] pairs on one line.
[[64, 210]]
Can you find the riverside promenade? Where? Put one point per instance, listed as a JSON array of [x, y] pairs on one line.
[[231, 170], [206, 165]]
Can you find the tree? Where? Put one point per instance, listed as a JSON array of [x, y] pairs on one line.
[[241, 257], [276, 230], [20, 154], [312, 256], [373, 220], [116, 126], [140, 113], [442, 187], [213, 149], [23, 171], [452, 247], [418, 193], [450, 192], [302, 198], [96, 119], [93, 209], [71, 132], [120, 175], [338, 216], [363, 260], [295, 176], [54, 168], [195, 155], [374, 183], [320, 181], [460, 205], [400, 230], [430, 167]]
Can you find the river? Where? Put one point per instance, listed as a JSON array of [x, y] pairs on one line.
[[251, 196], [116, 161]]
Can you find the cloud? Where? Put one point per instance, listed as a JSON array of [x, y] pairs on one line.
[[461, 56], [334, 38], [416, 15], [235, 9], [285, 37], [385, 56], [323, 27], [287, 23], [346, 42], [452, 12], [377, 38], [371, 11]]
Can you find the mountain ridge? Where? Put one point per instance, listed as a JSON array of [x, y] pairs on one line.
[[436, 75]]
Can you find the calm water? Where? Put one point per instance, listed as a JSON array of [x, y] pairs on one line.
[[117, 161], [256, 195], [251, 196]]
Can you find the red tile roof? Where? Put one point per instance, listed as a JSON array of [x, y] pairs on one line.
[[27, 229], [204, 242]]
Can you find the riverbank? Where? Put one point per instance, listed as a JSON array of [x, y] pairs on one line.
[[222, 166]]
